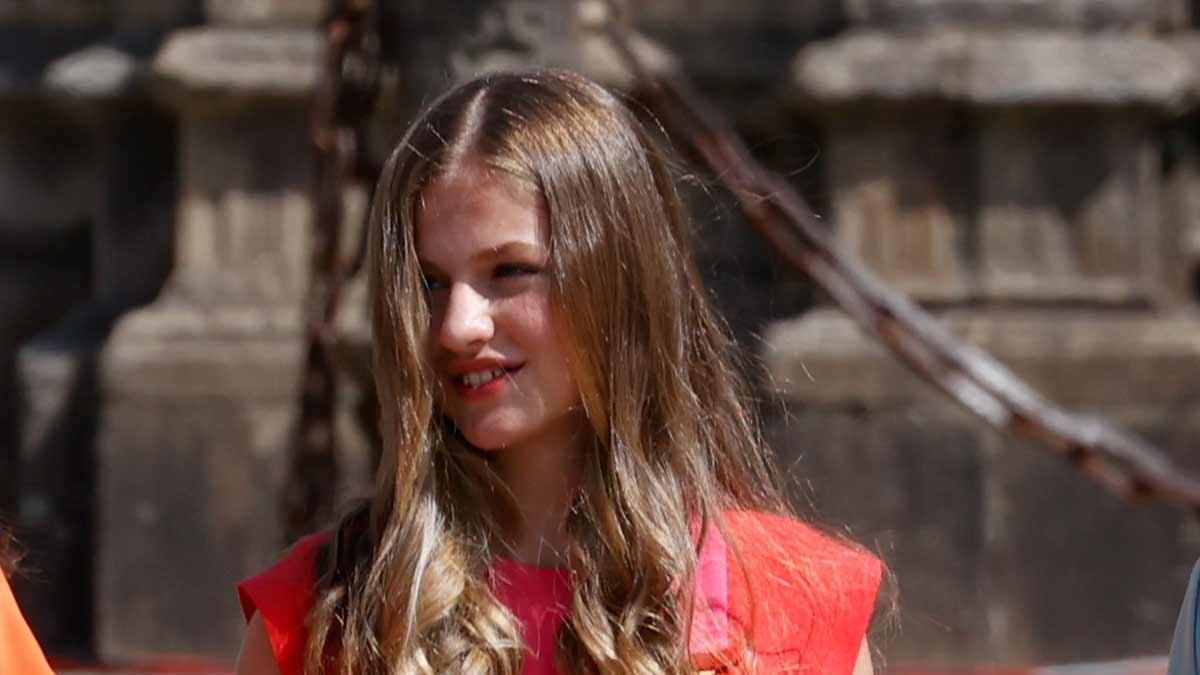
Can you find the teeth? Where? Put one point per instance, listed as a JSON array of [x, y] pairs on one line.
[[482, 377]]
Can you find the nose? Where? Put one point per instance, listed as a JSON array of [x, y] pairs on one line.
[[466, 320]]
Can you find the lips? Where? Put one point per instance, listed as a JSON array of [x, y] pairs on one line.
[[481, 378]]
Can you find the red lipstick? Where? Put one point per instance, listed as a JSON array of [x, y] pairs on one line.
[[477, 379]]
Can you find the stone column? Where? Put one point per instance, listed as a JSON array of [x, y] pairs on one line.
[[1163, 15], [1003, 151], [87, 180], [434, 45], [902, 195], [198, 389], [1070, 206], [1181, 235], [129, 258], [265, 13]]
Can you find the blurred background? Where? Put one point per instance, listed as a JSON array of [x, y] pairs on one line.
[[1029, 170]]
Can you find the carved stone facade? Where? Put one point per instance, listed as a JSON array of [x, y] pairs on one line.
[[1029, 169], [1007, 163]]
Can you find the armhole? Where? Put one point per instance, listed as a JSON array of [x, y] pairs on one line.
[[848, 598], [814, 617], [282, 595], [863, 573]]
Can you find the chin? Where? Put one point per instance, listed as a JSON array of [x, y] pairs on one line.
[[489, 435], [490, 442]]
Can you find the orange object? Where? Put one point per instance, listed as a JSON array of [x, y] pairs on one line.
[[19, 651]]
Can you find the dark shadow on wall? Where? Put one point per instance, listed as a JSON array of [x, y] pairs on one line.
[[127, 259]]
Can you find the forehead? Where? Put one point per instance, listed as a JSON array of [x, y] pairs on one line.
[[474, 209]]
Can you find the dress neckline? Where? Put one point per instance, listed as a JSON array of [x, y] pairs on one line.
[[510, 563]]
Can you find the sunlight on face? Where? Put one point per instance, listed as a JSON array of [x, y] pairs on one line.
[[483, 243]]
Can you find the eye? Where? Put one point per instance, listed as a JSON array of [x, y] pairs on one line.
[[432, 283], [511, 270]]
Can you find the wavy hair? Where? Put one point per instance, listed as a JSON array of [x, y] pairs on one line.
[[9, 554], [404, 585]]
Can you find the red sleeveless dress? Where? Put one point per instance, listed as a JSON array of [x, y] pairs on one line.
[[785, 599]]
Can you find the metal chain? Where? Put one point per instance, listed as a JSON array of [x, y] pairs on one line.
[[347, 87], [1118, 460]]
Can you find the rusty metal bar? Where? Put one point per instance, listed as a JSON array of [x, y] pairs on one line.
[[1116, 459], [346, 91]]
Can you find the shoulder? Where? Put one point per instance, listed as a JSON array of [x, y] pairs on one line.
[[257, 656], [797, 591], [286, 582], [784, 543], [280, 597]]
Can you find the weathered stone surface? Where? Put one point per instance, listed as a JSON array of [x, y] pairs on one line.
[[900, 197], [241, 62], [273, 12], [97, 72], [702, 16], [64, 279], [104, 55], [1069, 207], [37, 286], [996, 68], [193, 483], [49, 175], [133, 241], [187, 486], [1088, 576], [65, 13], [1080, 359], [178, 334], [130, 251], [1076, 14], [139, 15], [48, 182], [1040, 204], [199, 390], [599, 59], [908, 484], [999, 546], [1181, 220], [198, 408], [435, 45], [57, 488], [244, 209], [744, 42]]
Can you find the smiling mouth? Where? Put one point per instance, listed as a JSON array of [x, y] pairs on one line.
[[481, 378]]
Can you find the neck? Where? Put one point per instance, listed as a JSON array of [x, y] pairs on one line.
[[543, 475]]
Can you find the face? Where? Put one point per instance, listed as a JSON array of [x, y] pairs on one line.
[[483, 243]]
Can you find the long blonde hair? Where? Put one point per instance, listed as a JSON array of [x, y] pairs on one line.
[[404, 586]]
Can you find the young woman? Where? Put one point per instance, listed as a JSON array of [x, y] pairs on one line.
[[19, 651], [571, 481]]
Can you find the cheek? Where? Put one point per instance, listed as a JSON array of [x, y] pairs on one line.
[[555, 355], [534, 328], [529, 322]]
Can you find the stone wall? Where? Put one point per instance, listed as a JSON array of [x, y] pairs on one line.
[[1009, 163], [1027, 169], [88, 183]]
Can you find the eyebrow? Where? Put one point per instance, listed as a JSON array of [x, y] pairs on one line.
[[492, 252]]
